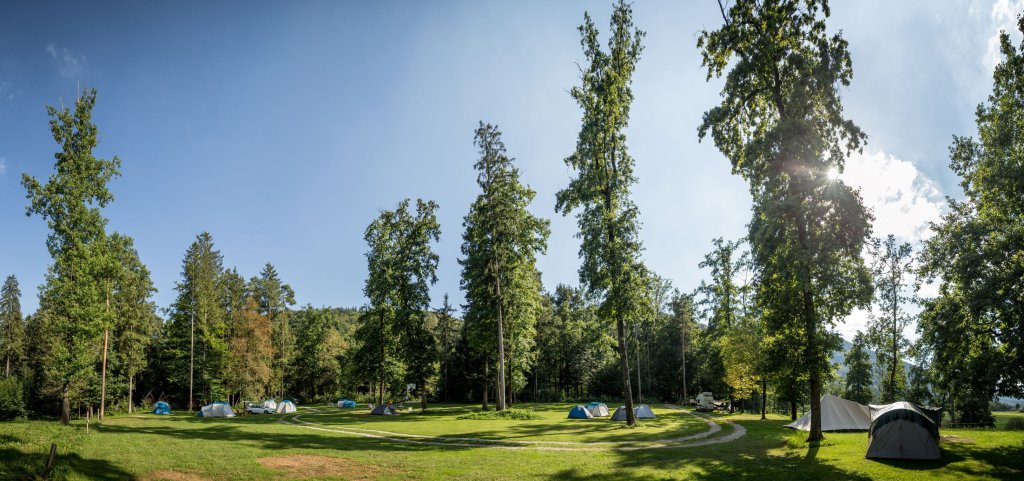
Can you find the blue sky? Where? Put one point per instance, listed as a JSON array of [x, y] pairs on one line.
[[283, 128]]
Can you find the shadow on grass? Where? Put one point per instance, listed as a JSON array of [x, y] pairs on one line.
[[1004, 462], [17, 465]]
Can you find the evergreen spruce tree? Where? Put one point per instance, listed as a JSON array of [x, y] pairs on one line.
[[12, 327]]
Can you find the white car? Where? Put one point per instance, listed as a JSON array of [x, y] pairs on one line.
[[258, 409]]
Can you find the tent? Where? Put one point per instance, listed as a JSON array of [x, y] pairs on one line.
[[383, 410], [161, 408], [620, 414], [219, 409], [270, 404], [346, 403], [598, 409], [903, 430], [837, 414], [643, 411], [580, 412], [285, 407]]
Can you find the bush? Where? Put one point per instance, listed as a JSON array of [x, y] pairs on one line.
[[12, 398], [511, 413], [1015, 423]]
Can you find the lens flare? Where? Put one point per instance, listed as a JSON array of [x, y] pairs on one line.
[[833, 174]]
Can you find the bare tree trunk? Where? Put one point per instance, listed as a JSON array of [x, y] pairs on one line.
[[191, 354], [792, 410], [501, 349], [627, 391], [764, 399], [487, 386], [65, 405], [103, 382]]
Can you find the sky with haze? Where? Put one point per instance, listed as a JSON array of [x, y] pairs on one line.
[[283, 128]]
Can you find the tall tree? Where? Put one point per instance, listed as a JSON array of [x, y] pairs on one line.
[[394, 341], [197, 332], [446, 332], [858, 371], [135, 322], [500, 247], [319, 349], [273, 299], [978, 318], [12, 326], [607, 217], [781, 126], [70, 201], [890, 267], [252, 352]]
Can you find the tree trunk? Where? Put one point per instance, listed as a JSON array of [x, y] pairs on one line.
[[191, 355], [792, 410], [487, 386], [103, 381], [764, 399], [639, 377], [686, 397], [627, 390], [131, 386], [811, 351], [501, 350], [65, 405]]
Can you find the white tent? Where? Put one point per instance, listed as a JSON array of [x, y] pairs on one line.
[[599, 410], [643, 411], [285, 406], [270, 404], [837, 414], [218, 409]]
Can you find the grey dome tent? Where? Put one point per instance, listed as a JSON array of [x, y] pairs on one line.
[[598, 410], [837, 414], [285, 407], [383, 410], [903, 430], [219, 409], [643, 411], [620, 414]]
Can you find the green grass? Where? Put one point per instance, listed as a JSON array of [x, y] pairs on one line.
[[133, 447]]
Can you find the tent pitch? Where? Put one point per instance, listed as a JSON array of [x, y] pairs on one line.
[[219, 409], [383, 410], [598, 410], [285, 407], [837, 414], [580, 412], [643, 411], [903, 430], [346, 403], [270, 404], [161, 408]]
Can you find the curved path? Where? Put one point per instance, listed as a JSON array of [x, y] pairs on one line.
[[693, 440]]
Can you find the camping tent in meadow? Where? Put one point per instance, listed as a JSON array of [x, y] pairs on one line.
[[837, 414], [270, 404], [620, 414], [285, 407], [903, 430], [580, 412], [346, 403], [161, 408], [383, 410], [643, 411], [219, 409], [597, 409]]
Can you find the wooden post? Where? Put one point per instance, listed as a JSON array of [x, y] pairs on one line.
[[51, 460]]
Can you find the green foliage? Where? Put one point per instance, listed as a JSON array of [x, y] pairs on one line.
[[273, 298], [12, 398], [12, 327], [499, 272], [781, 126], [73, 295], [394, 342], [891, 264], [973, 329], [858, 372], [608, 223], [1015, 423], [572, 343], [319, 354], [515, 414]]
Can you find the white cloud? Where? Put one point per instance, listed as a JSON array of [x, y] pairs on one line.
[[71, 64], [1004, 18], [3, 165], [903, 201]]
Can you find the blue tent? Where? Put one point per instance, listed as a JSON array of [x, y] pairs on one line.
[[161, 408], [580, 412], [348, 403], [594, 404]]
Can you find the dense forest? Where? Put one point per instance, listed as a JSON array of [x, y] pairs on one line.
[[759, 330]]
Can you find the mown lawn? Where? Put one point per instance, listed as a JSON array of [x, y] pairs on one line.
[[182, 447]]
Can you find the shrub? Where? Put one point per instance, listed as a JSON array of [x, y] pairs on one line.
[[1015, 423], [12, 398], [511, 413]]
